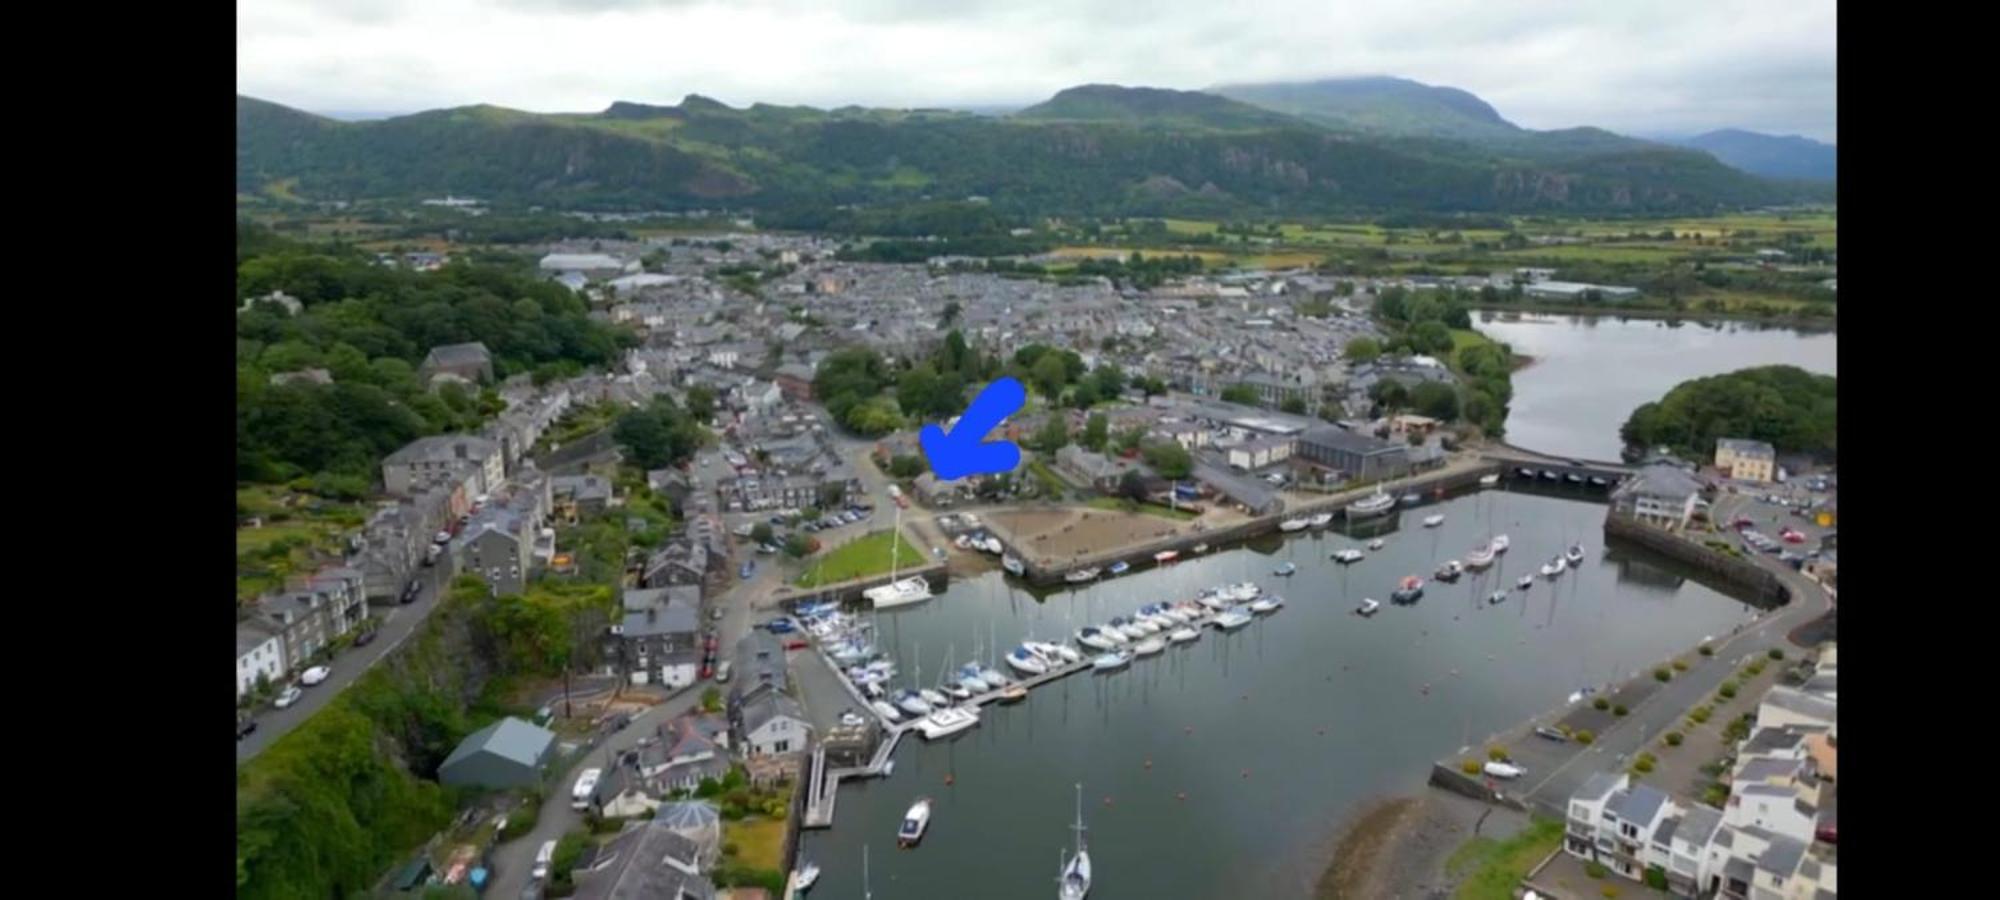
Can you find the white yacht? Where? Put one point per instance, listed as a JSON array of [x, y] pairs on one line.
[[1075, 879], [1320, 520], [995, 677], [1372, 505], [1013, 565], [1479, 558], [914, 823], [1499, 543], [1117, 659], [899, 593], [1349, 555], [1298, 524], [936, 698], [1369, 606], [1232, 620], [1526, 582], [1148, 647], [1026, 662], [1081, 575], [1097, 639], [1575, 555], [1489, 480], [1183, 634], [1267, 603], [1377, 544], [912, 703], [1434, 521], [887, 712], [803, 879], [946, 722]]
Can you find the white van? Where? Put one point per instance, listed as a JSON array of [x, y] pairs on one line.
[[586, 789], [544, 859]]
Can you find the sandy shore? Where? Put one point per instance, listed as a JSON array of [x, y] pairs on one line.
[[1356, 872], [1395, 849]]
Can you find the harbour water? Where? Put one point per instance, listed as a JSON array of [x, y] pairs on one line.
[[1589, 373], [1224, 767]]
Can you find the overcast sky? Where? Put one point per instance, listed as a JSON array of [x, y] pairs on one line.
[[1635, 66]]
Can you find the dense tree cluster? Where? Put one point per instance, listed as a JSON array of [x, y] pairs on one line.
[[369, 327], [1786, 406], [659, 435]]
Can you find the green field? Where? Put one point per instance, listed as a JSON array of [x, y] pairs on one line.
[[1117, 504], [869, 555], [760, 842], [1494, 869]]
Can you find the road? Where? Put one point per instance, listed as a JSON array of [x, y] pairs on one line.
[[397, 622], [513, 862], [1671, 703]]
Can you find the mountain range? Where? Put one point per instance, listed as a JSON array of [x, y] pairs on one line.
[[1351, 145]]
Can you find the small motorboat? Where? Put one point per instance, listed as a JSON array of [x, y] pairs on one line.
[[1597, 481], [1115, 660], [852, 719], [973, 680], [1548, 475], [1487, 481], [1198, 548], [803, 879], [1290, 525], [1267, 603], [1449, 571], [1120, 567], [1348, 556], [963, 542], [995, 677], [1554, 568], [1098, 638], [1183, 634], [1285, 569], [1575, 555], [1232, 620], [955, 691], [1211, 598], [1573, 478], [1434, 521], [1148, 647], [1525, 472], [1479, 558], [1081, 575], [1013, 693], [1526, 582], [1408, 590], [1368, 607], [1013, 565], [1496, 597], [946, 722], [1499, 544], [1377, 544], [1166, 556], [887, 712], [934, 697], [914, 823], [1026, 662], [1412, 499], [1320, 520]]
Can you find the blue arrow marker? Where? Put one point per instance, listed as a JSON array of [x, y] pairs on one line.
[[963, 451]]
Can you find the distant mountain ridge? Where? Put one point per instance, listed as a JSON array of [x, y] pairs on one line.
[[1772, 156], [1090, 150]]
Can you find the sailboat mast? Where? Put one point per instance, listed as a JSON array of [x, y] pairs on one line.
[[865, 893]]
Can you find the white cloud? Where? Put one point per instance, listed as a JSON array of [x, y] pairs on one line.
[[1679, 66]]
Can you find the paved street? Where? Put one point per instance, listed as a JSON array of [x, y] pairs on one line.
[[1669, 705], [513, 862], [396, 624]]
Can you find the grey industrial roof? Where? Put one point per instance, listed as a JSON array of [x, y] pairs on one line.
[[1662, 480], [657, 611], [1637, 803], [510, 738], [1328, 435], [1800, 702], [1597, 787]]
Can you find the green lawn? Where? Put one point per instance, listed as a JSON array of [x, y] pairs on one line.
[[1117, 504], [295, 527], [869, 555], [1494, 869], [760, 841]]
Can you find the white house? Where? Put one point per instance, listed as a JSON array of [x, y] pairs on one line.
[[259, 653], [1659, 495], [1261, 452], [773, 723]]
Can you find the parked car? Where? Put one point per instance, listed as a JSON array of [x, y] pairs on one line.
[[314, 675], [244, 726], [796, 644], [707, 667], [544, 859], [585, 789], [780, 626], [289, 696], [749, 566], [1550, 733], [412, 590], [722, 672], [366, 637]]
